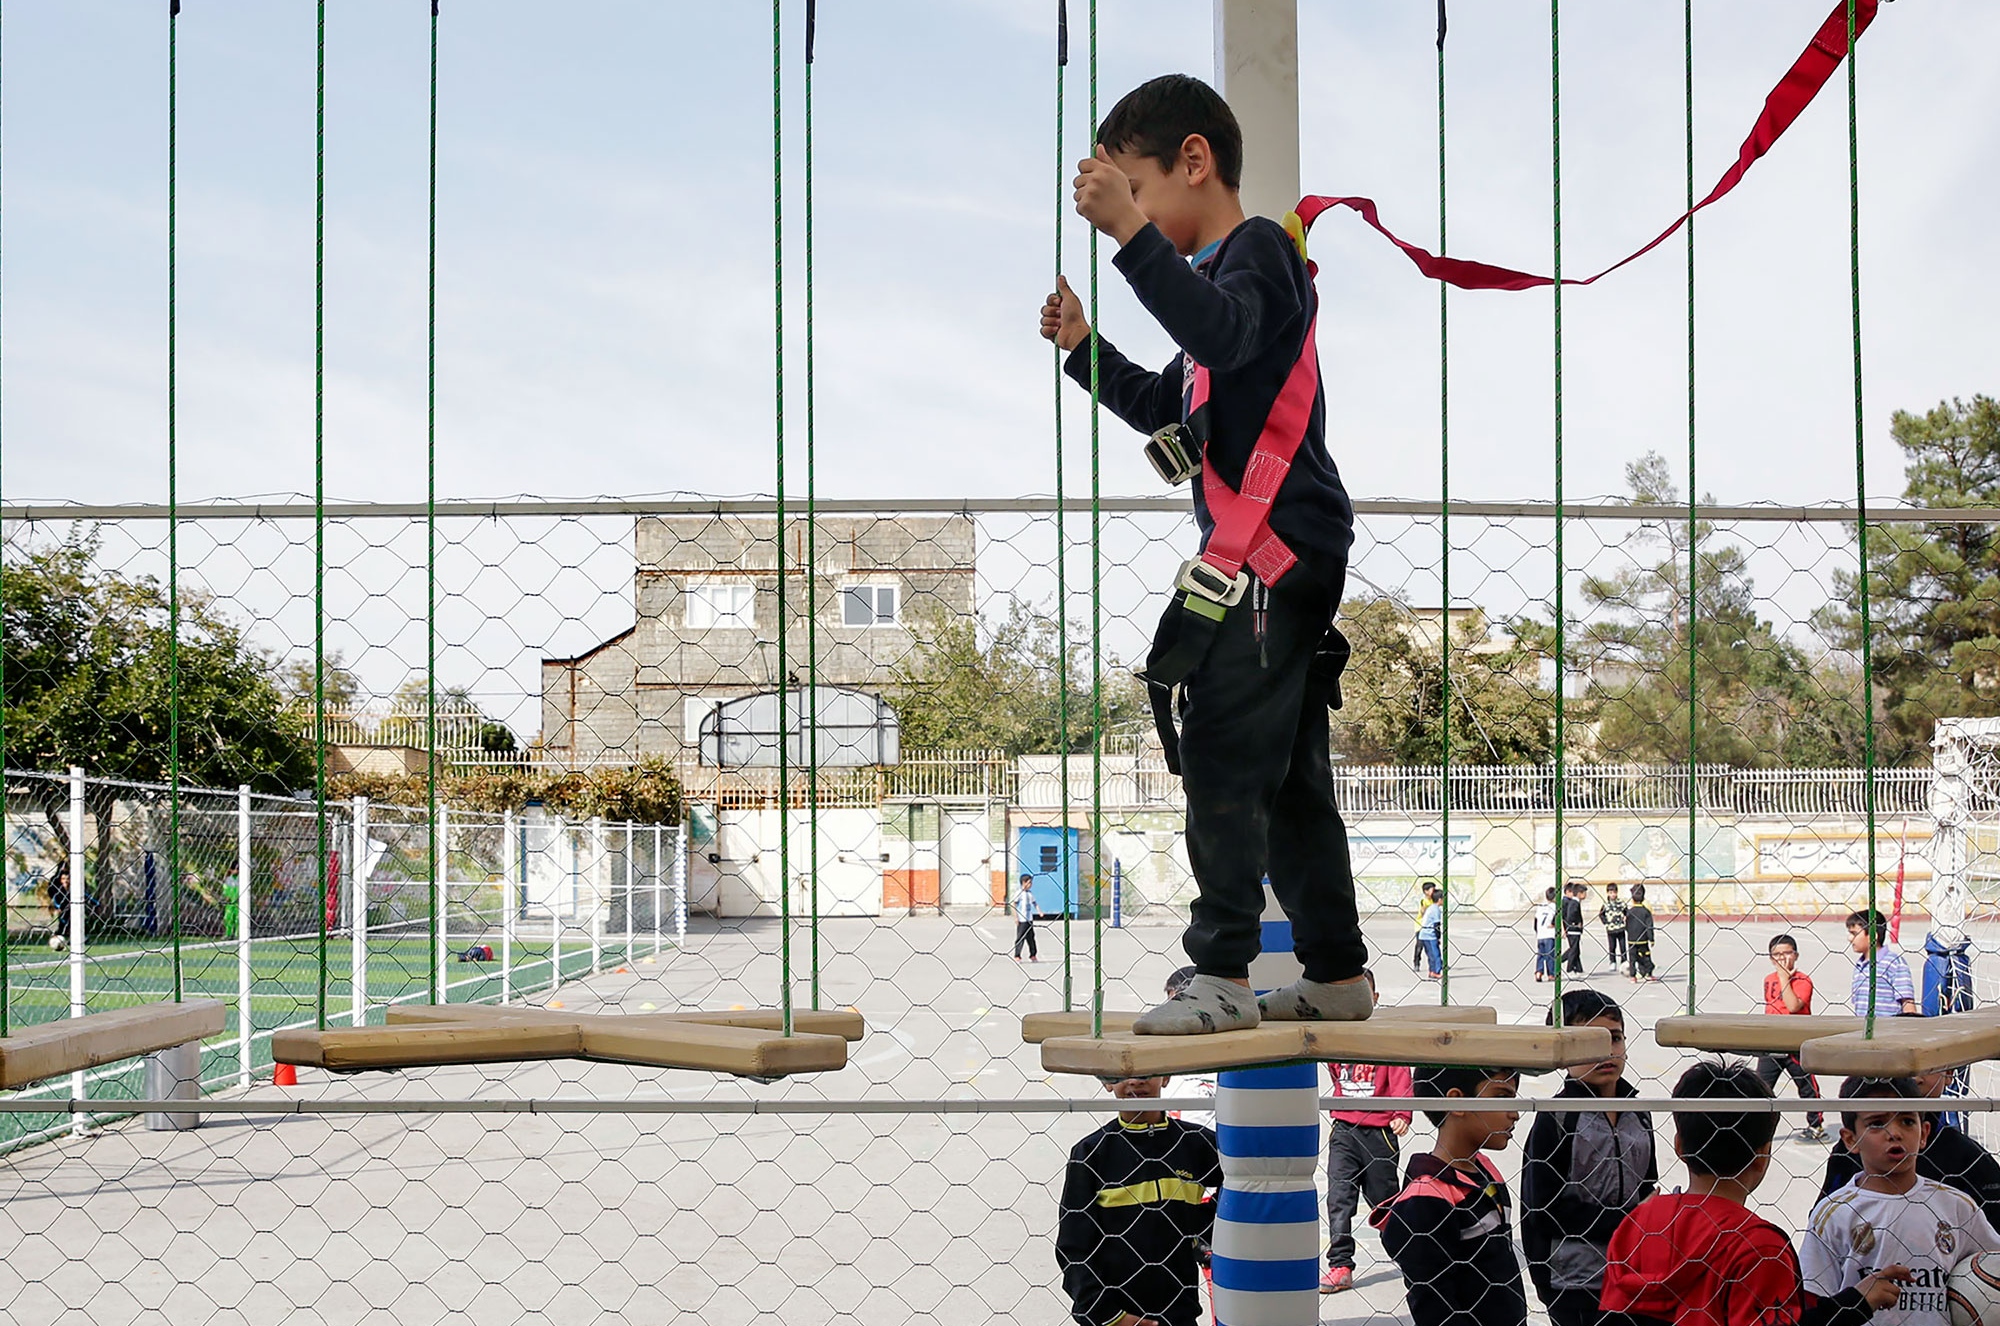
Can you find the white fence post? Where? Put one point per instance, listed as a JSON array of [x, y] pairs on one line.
[[508, 892], [245, 1016], [630, 865], [659, 887], [79, 891], [681, 885], [357, 888], [575, 902], [441, 901], [597, 882]]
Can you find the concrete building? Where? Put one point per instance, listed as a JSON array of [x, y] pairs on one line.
[[705, 592]]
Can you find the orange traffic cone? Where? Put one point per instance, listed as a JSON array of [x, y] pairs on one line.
[[284, 1075]]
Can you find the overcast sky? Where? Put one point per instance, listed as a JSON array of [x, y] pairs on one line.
[[605, 302]]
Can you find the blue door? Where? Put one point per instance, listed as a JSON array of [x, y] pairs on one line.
[[1038, 851]]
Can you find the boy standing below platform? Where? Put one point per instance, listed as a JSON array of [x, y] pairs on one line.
[[1788, 992], [1362, 1148], [1247, 644]]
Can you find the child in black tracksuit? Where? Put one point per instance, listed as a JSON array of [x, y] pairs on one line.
[[1137, 1215], [1447, 1229], [1236, 296], [1639, 937], [1582, 1174]]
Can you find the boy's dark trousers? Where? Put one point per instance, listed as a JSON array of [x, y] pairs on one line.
[[1024, 933], [1259, 784], [1771, 1066], [1360, 1162], [1642, 958], [1573, 959], [1578, 1307], [1614, 940]]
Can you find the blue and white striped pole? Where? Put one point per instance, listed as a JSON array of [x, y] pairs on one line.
[[1266, 1245]]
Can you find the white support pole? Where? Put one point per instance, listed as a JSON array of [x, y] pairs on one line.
[[575, 902], [441, 891], [79, 892], [659, 887], [1257, 72], [357, 890], [245, 1014], [598, 872], [681, 885], [630, 864], [509, 890]]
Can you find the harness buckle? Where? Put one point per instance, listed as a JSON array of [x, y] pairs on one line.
[[1206, 582], [1174, 454]]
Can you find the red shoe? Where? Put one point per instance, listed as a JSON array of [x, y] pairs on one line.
[[1336, 1279]]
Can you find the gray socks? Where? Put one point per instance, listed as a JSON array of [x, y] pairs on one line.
[[1208, 1004], [1319, 1001]]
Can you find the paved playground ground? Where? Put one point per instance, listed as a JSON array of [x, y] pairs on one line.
[[723, 1219]]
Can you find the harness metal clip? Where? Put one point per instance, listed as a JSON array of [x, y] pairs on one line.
[[1174, 454], [1206, 582]]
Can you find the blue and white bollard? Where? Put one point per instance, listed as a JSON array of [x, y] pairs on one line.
[[1266, 1245]]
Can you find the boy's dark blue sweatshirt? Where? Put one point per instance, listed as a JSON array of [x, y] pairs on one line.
[[1243, 315]]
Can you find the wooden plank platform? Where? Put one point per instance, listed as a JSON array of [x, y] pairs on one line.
[[1905, 1047], [1039, 1027], [1749, 1033], [1388, 1041], [745, 1042], [71, 1045]]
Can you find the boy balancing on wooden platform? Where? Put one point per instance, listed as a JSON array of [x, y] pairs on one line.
[[1247, 656]]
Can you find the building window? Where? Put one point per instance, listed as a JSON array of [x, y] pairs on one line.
[[721, 606], [868, 605]]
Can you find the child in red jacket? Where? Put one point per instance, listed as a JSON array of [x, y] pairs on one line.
[[1363, 1151]]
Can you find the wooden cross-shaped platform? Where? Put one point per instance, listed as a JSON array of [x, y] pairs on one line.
[[1841, 1046], [746, 1042], [1405, 1034]]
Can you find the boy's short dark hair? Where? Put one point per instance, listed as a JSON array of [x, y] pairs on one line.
[[1781, 939], [1440, 1080], [1724, 1144], [1638, 893], [1550, 896], [1867, 1088], [1581, 1006], [1155, 118], [1873, 922]]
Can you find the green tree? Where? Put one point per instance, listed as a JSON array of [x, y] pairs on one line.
[[1004, 691], [1934, 587], [1758, 698], [88, 683], [1393, 692]]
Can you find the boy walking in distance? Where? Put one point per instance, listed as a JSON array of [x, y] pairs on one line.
[[1447, 1229], [1788, 992], [1890, 1213], [1256, 658], [1362, 1148], [1702, 1257], [1639, 936], [1137, 1215], [1573, 896], [1894, 990], [1582, 1174], [1612, 916], [1024, 919]]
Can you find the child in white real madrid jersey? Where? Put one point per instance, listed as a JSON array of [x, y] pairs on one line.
[[1889, 1214]]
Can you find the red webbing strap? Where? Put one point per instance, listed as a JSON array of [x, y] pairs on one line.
[[1795, 91], [1242, 534]]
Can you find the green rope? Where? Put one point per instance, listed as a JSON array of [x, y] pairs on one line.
[[319, 491], [440, 851], [1096, 618], [1555, 159], [5, 894], [173, 514], [1062, 536], [1444, 536], [1694, 782], [1861, 502], [812, 535], [778, 352]]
